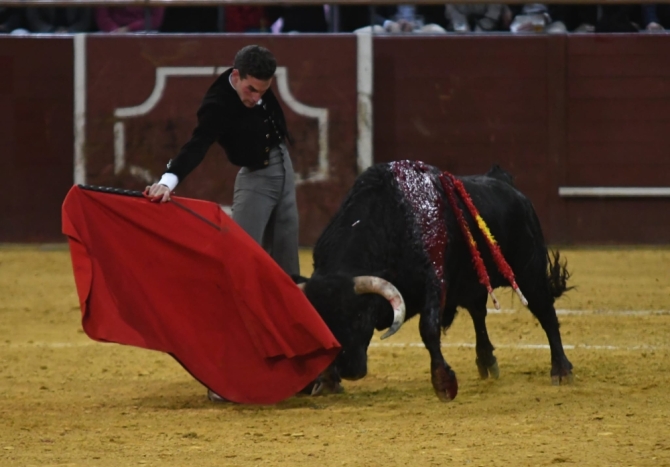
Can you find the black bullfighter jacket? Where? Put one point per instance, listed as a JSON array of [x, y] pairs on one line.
[[246, 134]]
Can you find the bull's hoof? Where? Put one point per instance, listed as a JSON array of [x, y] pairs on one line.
[[327, 382], [561, 372], [491, 370], [323, 388], [307, 390], [558, 380], [445, 383]]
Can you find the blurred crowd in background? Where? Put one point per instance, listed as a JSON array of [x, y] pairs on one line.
[[394, 19]]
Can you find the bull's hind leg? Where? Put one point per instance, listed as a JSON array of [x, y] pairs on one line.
[[486, 361], [541, 304], [443, 377]]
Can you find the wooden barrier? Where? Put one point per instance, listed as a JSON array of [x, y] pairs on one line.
[[36, 98], [557, 111], [565, 114]]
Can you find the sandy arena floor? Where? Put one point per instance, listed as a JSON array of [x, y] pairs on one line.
[[68, 401]]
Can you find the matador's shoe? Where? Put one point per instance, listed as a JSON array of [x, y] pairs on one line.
[[214, 397]]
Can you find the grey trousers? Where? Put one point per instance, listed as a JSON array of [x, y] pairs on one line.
[[264, 205]]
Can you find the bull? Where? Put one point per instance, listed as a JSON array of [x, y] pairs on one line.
[[409, 239]]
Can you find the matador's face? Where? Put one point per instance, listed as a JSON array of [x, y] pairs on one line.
[[249, 89]]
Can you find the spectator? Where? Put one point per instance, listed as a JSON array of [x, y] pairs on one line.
[[245, 18], [301, 18], [617, 18], [655, 17], [573, 18], [190, 19], [533, 17], [58, 19], [595, 18], [408, 18], [127, 19], [11, 19], [353, 17], [478, 17]]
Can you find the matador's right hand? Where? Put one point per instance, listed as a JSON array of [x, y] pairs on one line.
[[158, 193]]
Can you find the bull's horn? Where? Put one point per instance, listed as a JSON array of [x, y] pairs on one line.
[[372, 284], [302, 286]]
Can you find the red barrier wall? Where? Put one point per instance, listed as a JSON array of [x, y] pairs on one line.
[[466, 103], [618, 133], [36, 99], [151, 139], [554, 110]]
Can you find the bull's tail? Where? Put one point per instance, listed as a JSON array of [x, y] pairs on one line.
[[557, 274]]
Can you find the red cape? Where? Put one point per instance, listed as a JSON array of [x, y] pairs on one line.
[[158, 277]]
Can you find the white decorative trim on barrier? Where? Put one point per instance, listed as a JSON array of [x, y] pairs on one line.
[[612, 192], [119, 147], [321, 114], [163, 73], [364, 88], [79, 108]]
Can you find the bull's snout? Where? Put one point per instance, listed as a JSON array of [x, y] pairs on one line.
[[352, 367]]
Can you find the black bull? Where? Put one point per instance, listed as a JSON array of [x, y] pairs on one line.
[[396, 224]]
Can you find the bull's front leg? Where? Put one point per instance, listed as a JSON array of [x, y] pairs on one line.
[[442, 376]]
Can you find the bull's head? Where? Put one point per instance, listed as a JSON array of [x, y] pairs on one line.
[[352, 309]]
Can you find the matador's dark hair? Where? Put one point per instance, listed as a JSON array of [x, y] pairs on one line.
[[256, 61]]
